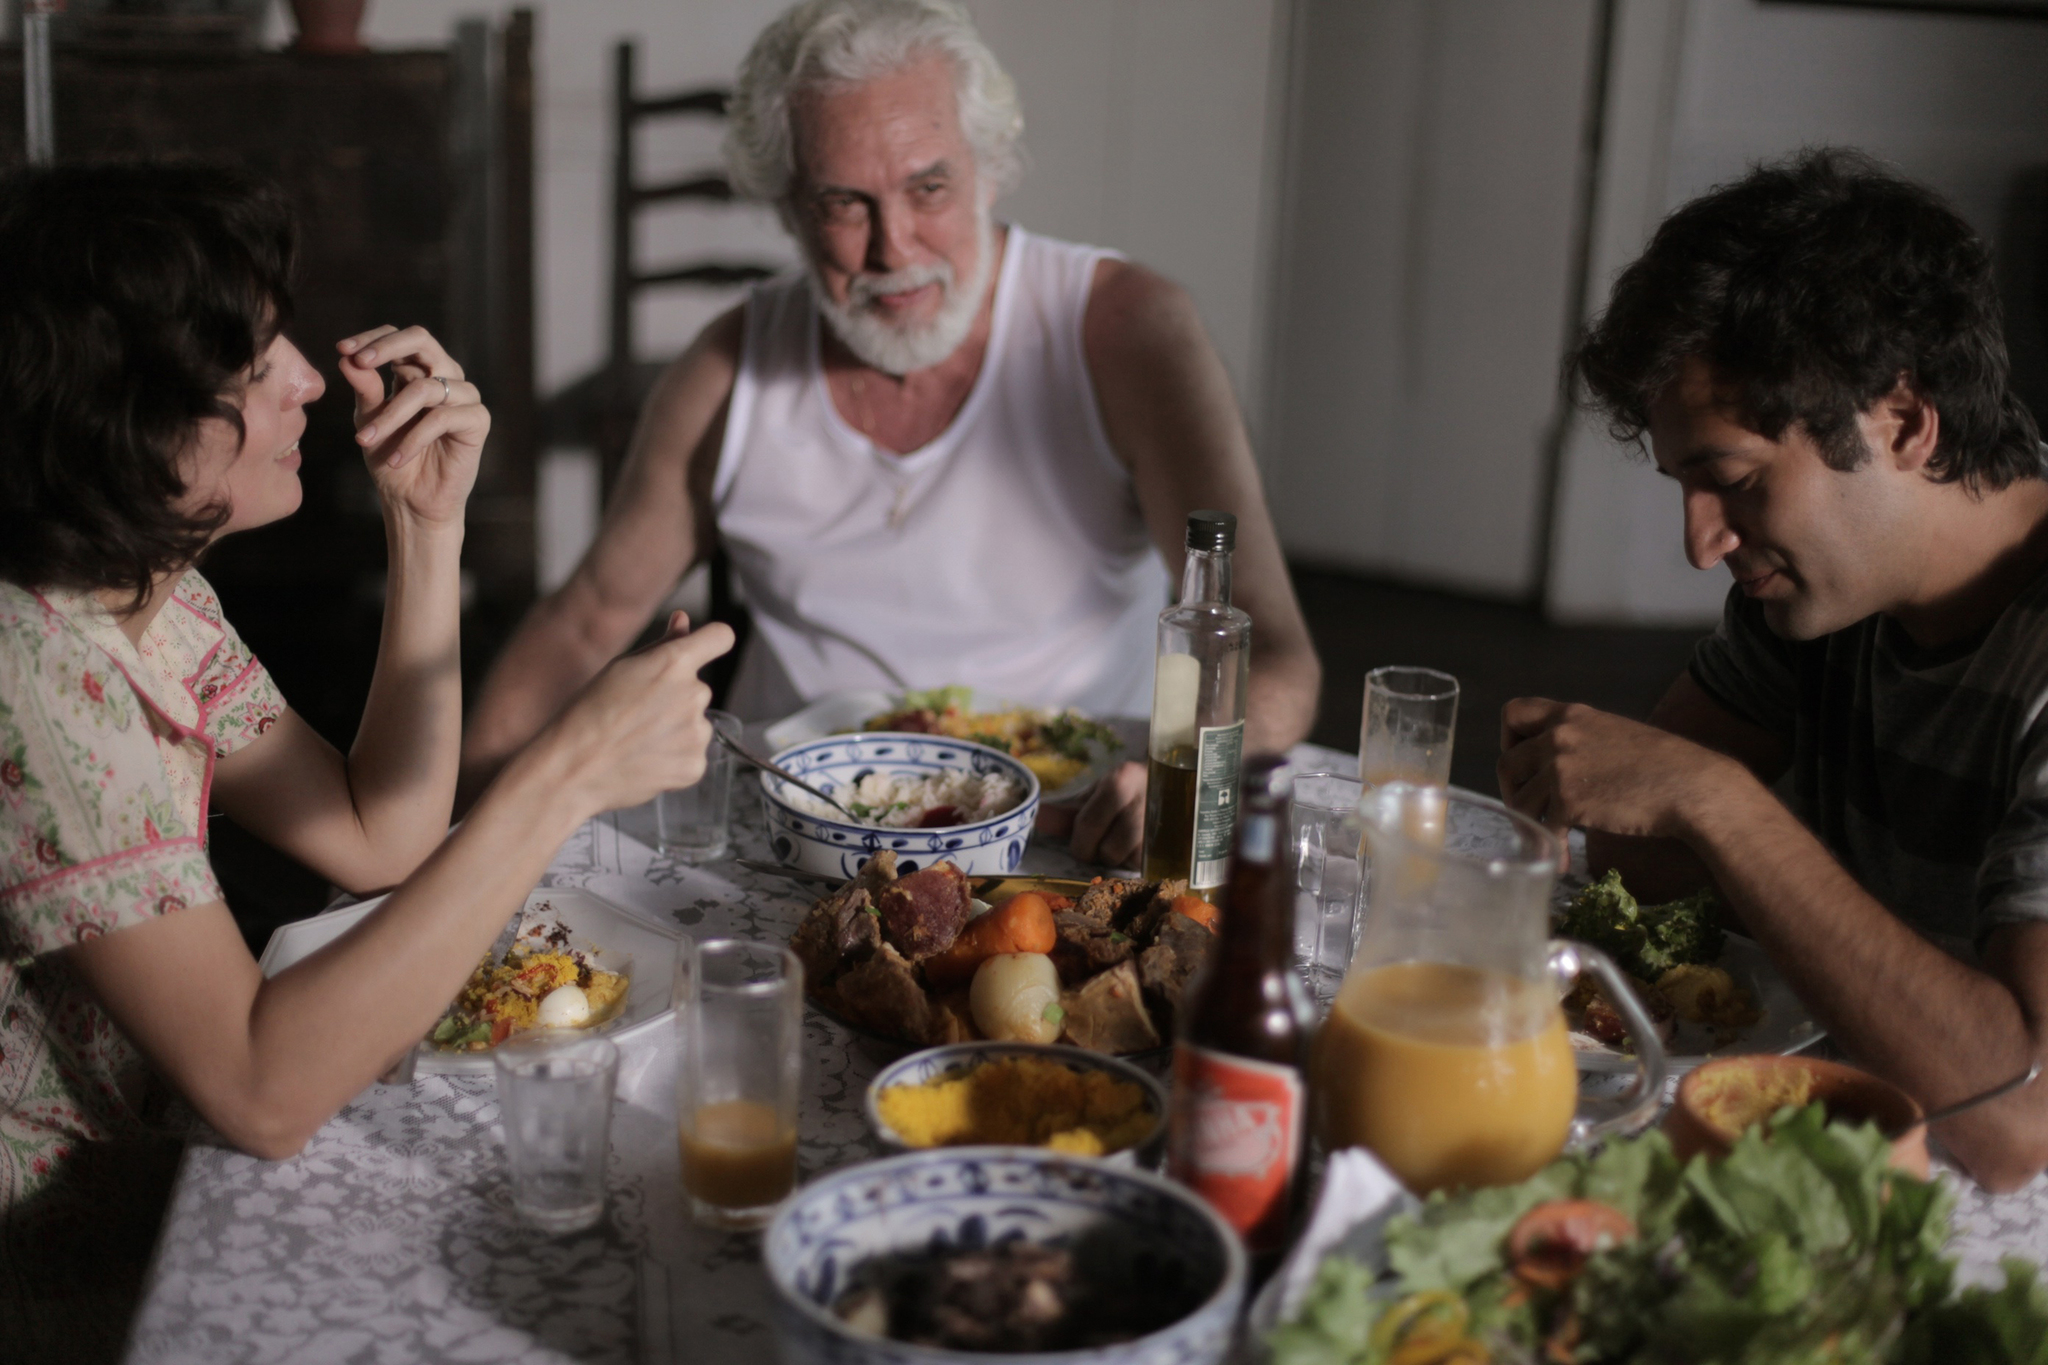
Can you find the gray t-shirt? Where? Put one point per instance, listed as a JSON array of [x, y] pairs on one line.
[[1924, 771]]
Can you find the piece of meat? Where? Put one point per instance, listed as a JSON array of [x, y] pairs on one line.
[[882, 994], [1588, 1011], [1086, 946], [1141, 915], [922, 913], [1102, 898], [1175, 958], [905, 722], [840, 930], [1107, 1013]]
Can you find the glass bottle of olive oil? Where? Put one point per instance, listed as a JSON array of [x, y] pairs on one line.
[[1198, 695]]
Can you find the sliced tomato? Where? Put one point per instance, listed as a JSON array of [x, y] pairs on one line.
[[500, 1031], [1550, 1244]]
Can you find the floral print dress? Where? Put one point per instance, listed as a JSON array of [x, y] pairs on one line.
[[106, 758]]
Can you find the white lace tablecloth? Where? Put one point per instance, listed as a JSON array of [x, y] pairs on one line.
[[391, 1238]]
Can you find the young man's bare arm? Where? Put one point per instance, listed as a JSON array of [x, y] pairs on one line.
[[1170, 415], [657, 524], [1895, 1002]]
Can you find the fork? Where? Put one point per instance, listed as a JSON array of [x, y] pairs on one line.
[[785, 774]]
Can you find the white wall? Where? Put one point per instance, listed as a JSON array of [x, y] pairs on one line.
[[1960, 103], [1427, 240], [1146, 121]]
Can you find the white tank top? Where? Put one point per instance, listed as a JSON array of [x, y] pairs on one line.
[[1008, 554]]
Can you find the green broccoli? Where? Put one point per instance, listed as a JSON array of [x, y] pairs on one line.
[[1681, 932], [1645, 941]]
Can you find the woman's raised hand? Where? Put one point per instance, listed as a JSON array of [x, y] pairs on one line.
[[422, 441], [639, 728]]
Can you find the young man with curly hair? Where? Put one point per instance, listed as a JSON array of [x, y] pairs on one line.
[[1815, 356]]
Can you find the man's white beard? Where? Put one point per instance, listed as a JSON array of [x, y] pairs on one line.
[[895, 348]]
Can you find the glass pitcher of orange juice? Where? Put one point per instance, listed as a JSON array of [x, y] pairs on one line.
[[1445, 1052]]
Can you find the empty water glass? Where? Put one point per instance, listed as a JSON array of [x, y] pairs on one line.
[[1411, 715], [555, 1099], [1326, 834], [694, 824]]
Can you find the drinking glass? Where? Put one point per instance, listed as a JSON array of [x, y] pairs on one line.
[[694, 824], [1325, 836], [1410, 717], [739, 1073], [555, 1099], [1446, 1052]]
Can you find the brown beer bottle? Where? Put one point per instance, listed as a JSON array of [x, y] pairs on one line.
[[1239, 1127]]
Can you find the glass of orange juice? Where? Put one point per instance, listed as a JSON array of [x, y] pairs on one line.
[[739, 1074], [1445, 1052]]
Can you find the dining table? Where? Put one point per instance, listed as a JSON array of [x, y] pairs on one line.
[[392, 1238]]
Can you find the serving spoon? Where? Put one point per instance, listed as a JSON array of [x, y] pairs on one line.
[[785, 774], [1951, 1110]]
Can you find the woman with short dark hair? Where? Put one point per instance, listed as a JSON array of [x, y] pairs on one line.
[[151, 403]]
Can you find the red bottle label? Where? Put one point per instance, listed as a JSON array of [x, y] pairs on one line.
[[1236, 1137]]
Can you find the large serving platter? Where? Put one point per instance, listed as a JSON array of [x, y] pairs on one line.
[[1787, 1025], [990, 891], [616, 940]]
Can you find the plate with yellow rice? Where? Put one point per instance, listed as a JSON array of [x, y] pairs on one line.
[[585, 962], [1020, 1094], [1066, 750]]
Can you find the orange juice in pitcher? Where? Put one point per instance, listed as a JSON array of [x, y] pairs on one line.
[[1452, 1075], [1445, 1053]]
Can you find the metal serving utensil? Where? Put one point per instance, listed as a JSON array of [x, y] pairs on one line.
[[1951, 1110], [785, 774]]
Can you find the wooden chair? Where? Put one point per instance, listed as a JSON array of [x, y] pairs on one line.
[[600, 410]]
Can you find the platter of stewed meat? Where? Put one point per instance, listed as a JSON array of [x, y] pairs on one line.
[[920, 959]]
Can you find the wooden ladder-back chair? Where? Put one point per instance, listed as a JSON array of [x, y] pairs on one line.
[[601, 410]]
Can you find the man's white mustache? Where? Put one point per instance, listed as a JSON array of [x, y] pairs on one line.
[[864, 289]]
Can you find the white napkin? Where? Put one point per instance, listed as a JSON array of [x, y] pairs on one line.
[[1357, 1198]]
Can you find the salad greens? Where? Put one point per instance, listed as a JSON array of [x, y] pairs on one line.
[[1645, 941], [1070, 734], [938, 699], [452, 1032], [1801, 1246]]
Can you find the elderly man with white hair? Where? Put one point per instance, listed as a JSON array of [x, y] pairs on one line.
[[976, 470]]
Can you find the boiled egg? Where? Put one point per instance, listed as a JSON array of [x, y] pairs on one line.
[[564, 1007]]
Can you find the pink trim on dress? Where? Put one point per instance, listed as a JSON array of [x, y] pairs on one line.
[[53, 878]]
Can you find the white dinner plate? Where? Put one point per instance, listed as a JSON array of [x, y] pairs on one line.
[[1786, 1027], [838, 713], [616, 940]]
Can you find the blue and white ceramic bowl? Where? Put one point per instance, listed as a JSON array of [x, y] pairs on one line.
[[936, 1062], [837, 847], [1137, 1224]]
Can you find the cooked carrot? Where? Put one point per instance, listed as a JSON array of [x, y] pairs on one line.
[[1021, 924], [1196, 909]]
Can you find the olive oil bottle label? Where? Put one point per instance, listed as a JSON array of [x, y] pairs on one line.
[[1217, 762]]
